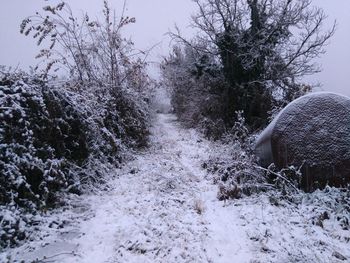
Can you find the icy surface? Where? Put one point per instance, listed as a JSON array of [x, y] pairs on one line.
[[160, 208]]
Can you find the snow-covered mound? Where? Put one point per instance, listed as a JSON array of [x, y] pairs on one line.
[[313, 132]]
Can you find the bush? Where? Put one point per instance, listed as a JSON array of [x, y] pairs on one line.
[[233, 166], [59, 137], [54, 141], [39, 136], [196, 84]]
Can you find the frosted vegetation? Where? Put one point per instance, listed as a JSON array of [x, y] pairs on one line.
[[60, 136], [101, 163]]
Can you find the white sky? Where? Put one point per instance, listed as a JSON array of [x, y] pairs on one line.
[[156, 17]]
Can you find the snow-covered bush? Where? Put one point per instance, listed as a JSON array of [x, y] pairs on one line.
[[54, 141], [235, 171], [58, 137], [233, 166], [195, 84], [39, 135], [13, 224]]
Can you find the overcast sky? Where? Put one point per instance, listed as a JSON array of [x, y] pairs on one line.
[[155, 17]]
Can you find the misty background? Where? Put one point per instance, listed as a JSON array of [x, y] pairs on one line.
[[154, 18]]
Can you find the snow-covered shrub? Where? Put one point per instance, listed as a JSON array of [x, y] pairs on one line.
[[118, 119], [131, 114], [39, 136], [12, 230], [336, 203], [234, 166], [54, 141], [195, 84], [108, 80], [235, 171], [326, 208], [60, 137], [286, 180]]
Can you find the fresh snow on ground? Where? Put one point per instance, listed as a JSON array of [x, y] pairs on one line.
[[162, 207]]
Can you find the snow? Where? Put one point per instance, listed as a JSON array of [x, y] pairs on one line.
[[314, 128], [161, 207]]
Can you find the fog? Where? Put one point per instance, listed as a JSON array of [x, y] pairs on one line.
[[154, 18]]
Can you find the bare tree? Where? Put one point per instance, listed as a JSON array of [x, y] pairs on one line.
[[90, 50], [264, 48]]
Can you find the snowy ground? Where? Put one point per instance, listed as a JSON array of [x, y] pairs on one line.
[[162, 209]]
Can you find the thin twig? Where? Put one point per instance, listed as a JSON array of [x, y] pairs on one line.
[[49, 259], [279, 176]]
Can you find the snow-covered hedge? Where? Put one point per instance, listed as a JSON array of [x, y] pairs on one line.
[[51, 141]]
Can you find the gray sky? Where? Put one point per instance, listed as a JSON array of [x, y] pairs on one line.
[[155, 17]]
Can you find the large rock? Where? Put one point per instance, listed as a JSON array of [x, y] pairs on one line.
[[312, 132]]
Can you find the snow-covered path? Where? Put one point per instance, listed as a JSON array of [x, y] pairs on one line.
[[161, 208], [150, 215]]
